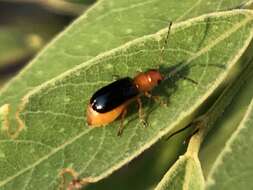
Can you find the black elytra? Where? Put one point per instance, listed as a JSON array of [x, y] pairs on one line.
[[113, 95]]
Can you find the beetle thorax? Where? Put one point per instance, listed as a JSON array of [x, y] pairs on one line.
[[147, 81]]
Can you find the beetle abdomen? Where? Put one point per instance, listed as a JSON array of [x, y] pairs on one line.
[[113, 95]]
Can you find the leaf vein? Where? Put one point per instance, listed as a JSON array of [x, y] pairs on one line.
[[54, 151]]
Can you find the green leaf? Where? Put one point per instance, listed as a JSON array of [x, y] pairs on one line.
[[226, 125], [186, 173], [13, 47], [21, 36], [233, 168], [56, 135], [105, 26]]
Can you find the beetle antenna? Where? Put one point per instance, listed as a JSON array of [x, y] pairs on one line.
[[165, 42], [181, 76]]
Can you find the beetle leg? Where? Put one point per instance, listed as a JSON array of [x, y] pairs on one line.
[[121, 128], [141, 115], [187, 78], [155, 98]]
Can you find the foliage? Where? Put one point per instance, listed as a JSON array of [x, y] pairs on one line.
[[43, 125]]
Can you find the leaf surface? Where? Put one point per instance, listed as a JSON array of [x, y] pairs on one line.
[[56, 135], [233, 168]]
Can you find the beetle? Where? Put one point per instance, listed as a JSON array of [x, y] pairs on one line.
[[111, 101]]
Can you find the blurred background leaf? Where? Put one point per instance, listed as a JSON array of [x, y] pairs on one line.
[[233, 168], [25, 27], [225, 127]]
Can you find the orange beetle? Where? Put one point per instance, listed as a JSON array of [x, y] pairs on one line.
[[111, 101]]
